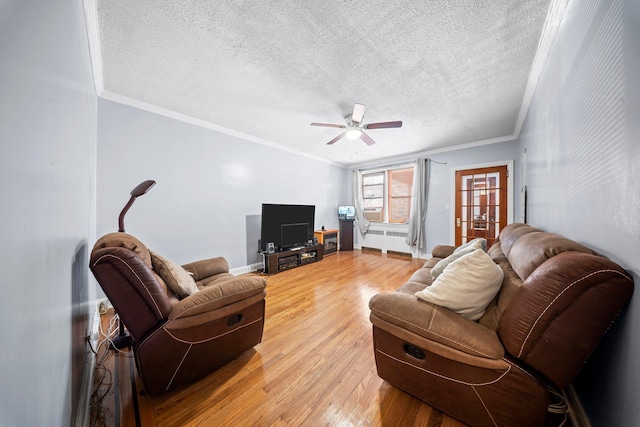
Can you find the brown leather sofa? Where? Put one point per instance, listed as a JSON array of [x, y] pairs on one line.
[[555, 303], [178, 340]]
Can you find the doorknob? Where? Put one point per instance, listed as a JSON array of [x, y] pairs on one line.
[[457, 222]]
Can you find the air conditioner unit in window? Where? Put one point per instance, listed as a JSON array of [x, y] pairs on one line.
[[375, 215]]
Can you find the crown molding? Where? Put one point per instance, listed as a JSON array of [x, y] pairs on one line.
[[555, 16], [93, 36], [141, 105]]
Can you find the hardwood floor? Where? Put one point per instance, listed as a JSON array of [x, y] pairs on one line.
[[314, 367]]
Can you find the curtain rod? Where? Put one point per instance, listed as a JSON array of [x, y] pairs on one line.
[[398, 165]]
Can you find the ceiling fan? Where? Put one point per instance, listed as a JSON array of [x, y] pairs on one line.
[[355, 127]]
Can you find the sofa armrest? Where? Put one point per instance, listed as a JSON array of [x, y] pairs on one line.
[[207, 267], [219, 295], [436, 324], [442, 251], [560, 313]]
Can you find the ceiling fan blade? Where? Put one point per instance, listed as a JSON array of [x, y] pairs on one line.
[[329, 125], [384, 125], [358, 113], [337, 138], [367, 139]]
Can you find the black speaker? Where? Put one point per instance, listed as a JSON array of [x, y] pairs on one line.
[[271, 248]]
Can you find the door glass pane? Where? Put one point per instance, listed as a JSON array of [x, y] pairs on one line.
[[479, 194]]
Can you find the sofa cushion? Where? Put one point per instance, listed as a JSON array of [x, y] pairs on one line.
[[466, 286], [511, 233], [532, 249], [178, 280], [421, 276]]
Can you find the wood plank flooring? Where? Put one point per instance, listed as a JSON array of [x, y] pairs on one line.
[[314, 367]]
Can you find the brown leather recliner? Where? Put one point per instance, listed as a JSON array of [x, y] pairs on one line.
[[178, 341], [556, 301]]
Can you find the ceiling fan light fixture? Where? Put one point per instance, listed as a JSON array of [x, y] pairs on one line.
[[355, 128], [354, 133]]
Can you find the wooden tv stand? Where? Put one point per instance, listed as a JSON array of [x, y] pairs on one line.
[[284, 260]]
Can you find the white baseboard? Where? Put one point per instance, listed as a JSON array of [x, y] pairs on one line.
[[576, 412], [247, 269]]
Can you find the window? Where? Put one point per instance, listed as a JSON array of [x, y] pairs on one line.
[[400, 186], [386, 195], [373, 195]]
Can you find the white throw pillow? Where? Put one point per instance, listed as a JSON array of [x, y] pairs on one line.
[[437, 269], [466, 286], [177, 278], [478, 243]]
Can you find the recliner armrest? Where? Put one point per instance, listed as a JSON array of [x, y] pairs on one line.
[[442, 251], [207, 267], [218, 295], [436, 324]]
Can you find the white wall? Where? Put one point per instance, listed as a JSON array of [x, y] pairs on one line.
[[47, 190], [210, 186], [583, 159]]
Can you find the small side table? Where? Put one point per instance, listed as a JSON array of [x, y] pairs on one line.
[[328, 239]]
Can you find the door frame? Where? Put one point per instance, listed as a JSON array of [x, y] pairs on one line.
[[452, 192]]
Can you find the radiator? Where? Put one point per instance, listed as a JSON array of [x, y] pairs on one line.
[[385, 240]]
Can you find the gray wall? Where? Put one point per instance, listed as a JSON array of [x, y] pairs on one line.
[[439, 219], [47, 188], [583, 162], [210, 186]]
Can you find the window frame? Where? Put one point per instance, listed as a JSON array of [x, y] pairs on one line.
[[384, 214]]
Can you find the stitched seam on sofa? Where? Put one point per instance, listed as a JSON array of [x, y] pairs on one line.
[[433, 317], [434, 333], [484, 406], [210, 338], [556, 298], [199, 306], [135, 274], [445, 377], [149, 336], [178, 368], [522, 370]]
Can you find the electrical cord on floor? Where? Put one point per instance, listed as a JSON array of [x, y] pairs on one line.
[[103, 377], [111, 332], [258, 262], [559, 406]]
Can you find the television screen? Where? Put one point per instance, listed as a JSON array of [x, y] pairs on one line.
[[346, 212], [294, 234], [274, 216]]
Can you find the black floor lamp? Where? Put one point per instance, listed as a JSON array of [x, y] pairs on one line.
[[123, 339]]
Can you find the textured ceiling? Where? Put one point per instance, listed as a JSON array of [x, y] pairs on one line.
[[455, 72]]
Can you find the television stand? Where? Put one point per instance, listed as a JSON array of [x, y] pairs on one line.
[[284, 260]]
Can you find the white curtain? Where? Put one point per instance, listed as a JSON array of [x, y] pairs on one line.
[[419, 197], [363, 222]]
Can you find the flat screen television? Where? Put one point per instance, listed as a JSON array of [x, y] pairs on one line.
[[346, 212], [286, 226]]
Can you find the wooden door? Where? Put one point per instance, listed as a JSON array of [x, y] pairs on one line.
[[481, 203]]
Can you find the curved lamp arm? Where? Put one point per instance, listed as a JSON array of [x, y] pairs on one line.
[[140, 189]]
